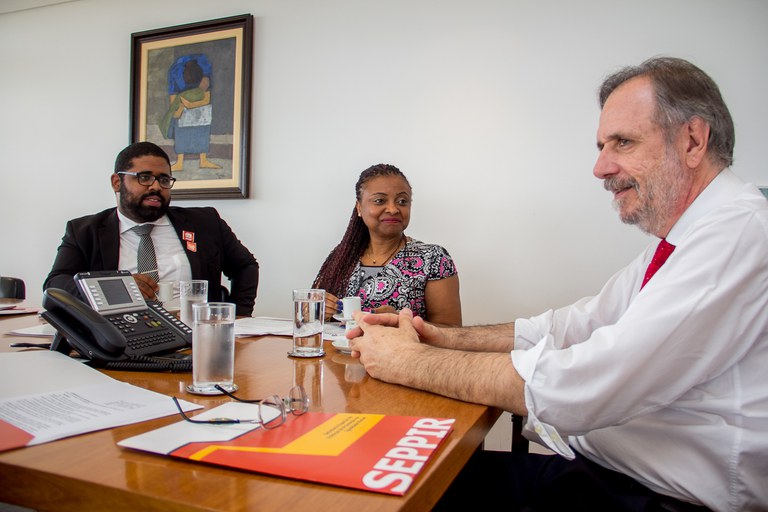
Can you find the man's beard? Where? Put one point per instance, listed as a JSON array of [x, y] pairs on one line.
[[663, 191], [133, 208]]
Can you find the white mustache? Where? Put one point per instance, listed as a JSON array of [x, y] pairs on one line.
[[616, 184]]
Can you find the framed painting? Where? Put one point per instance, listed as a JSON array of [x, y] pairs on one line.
[[191, 95]]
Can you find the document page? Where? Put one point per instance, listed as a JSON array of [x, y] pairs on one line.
[[46, 396], [40, 331], [261, 325]]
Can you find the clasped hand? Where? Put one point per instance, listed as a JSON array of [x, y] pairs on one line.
[[383, 342]]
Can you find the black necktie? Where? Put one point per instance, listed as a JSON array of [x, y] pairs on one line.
[[146, 259]]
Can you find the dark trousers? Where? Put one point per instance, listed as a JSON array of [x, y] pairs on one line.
[[533, 482]]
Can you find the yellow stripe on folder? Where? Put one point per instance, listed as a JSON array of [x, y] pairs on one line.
[[329, 438]]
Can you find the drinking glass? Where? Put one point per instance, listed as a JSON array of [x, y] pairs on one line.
[[308, 318], [213, 348], [191, 292]]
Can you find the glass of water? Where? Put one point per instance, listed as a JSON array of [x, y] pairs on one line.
[[308, 318], [213, 348], [191, 292]]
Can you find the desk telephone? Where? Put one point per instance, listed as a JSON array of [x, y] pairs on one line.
[[119, 330]]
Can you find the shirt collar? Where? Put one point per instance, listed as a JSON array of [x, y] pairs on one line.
[[725, 185], [127, 224]]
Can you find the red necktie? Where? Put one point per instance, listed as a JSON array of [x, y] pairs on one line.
[[659, 257]]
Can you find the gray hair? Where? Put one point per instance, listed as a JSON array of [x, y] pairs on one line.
[[683, 91]]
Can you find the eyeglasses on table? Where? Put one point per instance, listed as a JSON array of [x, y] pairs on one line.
[[296, 403]]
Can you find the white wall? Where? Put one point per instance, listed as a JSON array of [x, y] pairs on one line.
[[488, 106]]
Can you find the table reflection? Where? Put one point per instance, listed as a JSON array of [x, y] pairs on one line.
[[309, 374]]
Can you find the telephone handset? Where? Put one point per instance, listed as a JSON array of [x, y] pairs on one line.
[[120, 330]]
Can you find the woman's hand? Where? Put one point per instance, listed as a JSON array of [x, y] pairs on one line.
[[331, 305], [385, 309]]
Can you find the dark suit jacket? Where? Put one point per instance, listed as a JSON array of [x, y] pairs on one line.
[[93, 243]]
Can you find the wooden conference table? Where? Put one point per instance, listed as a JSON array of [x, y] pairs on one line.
[[90, 472]]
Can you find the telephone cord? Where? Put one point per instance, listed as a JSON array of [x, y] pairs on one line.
[[151, 364]]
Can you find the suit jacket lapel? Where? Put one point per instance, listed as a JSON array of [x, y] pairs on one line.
[[109, 241]]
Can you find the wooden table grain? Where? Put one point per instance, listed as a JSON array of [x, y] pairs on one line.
[[90, 472]]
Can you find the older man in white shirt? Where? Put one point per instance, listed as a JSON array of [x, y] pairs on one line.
[[652, 392]]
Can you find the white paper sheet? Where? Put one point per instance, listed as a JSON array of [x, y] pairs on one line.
[[166, 439], [261, 326], [52, 396], [41, 331]]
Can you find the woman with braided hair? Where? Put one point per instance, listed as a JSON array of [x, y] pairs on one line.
[[388, 270]]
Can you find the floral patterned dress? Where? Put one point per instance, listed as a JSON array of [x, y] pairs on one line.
[[401, 283]]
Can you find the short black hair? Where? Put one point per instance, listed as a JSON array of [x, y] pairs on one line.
[[124, 160]]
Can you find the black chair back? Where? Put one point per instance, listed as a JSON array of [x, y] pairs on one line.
[[12, 290]]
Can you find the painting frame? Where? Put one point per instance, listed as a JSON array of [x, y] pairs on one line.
[[191, 95]]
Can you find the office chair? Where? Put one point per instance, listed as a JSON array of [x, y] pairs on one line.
[[519, 443], [12, 291]]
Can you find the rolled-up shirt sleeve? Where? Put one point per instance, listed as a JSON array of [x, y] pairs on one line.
[[525, 360], [541, 354]]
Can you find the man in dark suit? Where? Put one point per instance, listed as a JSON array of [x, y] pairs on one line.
[[190, 243]]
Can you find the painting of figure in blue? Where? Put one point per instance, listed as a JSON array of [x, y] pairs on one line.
[[188, 118], [190, 109]]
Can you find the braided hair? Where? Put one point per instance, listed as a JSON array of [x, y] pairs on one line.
[[335, 272]]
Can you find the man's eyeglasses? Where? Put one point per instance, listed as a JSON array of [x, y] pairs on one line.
[[296, 403], [147, 179]]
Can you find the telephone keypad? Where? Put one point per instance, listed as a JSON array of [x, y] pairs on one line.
[[146, 333]]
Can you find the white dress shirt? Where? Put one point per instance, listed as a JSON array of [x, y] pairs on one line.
[[172, 262], [668, 384]]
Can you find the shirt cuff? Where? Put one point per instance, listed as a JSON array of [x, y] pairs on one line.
[[529, 331], [525, 362]]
